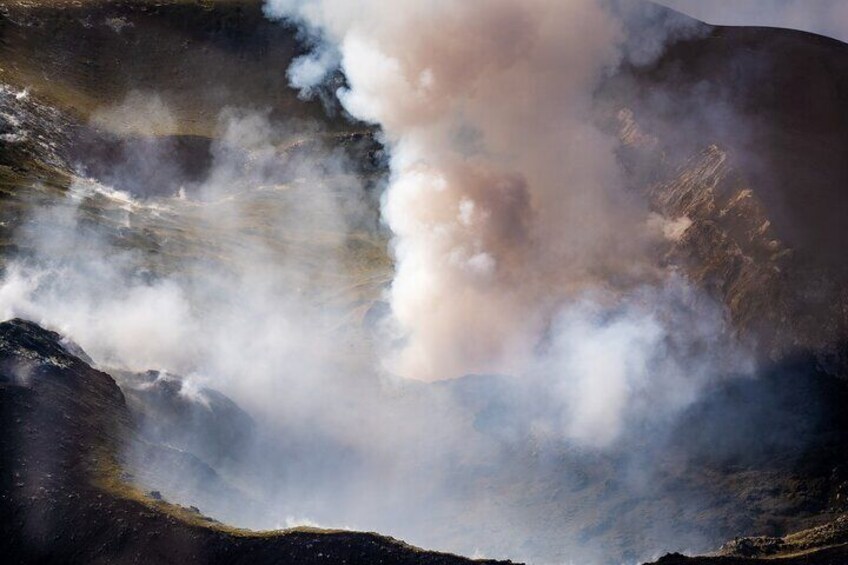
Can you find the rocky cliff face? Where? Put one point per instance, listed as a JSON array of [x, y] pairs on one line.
[[735, 148]]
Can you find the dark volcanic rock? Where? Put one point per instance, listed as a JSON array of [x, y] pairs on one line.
[[62, 495], [203, 422], [823, 545]]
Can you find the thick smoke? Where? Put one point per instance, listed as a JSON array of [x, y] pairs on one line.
[[504, 198]]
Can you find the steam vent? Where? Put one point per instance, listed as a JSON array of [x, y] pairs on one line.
[[426, 282]]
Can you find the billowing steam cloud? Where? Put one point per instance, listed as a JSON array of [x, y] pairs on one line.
[[237, 263], [504, 199]]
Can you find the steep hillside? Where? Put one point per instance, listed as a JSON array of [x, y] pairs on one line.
[[64, 498], [737, 137]]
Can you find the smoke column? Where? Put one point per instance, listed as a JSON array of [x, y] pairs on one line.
[[504, 199]]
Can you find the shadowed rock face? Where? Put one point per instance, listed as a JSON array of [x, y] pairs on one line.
[[63, 498], [742, 133], [776, 100], [203, 422]]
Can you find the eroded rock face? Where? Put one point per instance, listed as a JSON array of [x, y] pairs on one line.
[[753, 209], [779, 298]]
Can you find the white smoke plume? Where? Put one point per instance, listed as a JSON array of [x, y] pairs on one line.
[[265, 235], [504, 198]]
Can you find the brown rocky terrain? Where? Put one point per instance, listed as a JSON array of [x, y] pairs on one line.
[[823, 545], [740, 134]]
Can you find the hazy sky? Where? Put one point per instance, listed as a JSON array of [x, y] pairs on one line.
[[826, 17]]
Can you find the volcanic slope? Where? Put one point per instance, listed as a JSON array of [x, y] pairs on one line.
[[65, 501], [737, 138]]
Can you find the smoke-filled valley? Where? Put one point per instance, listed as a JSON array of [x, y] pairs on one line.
[[553, 282]]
